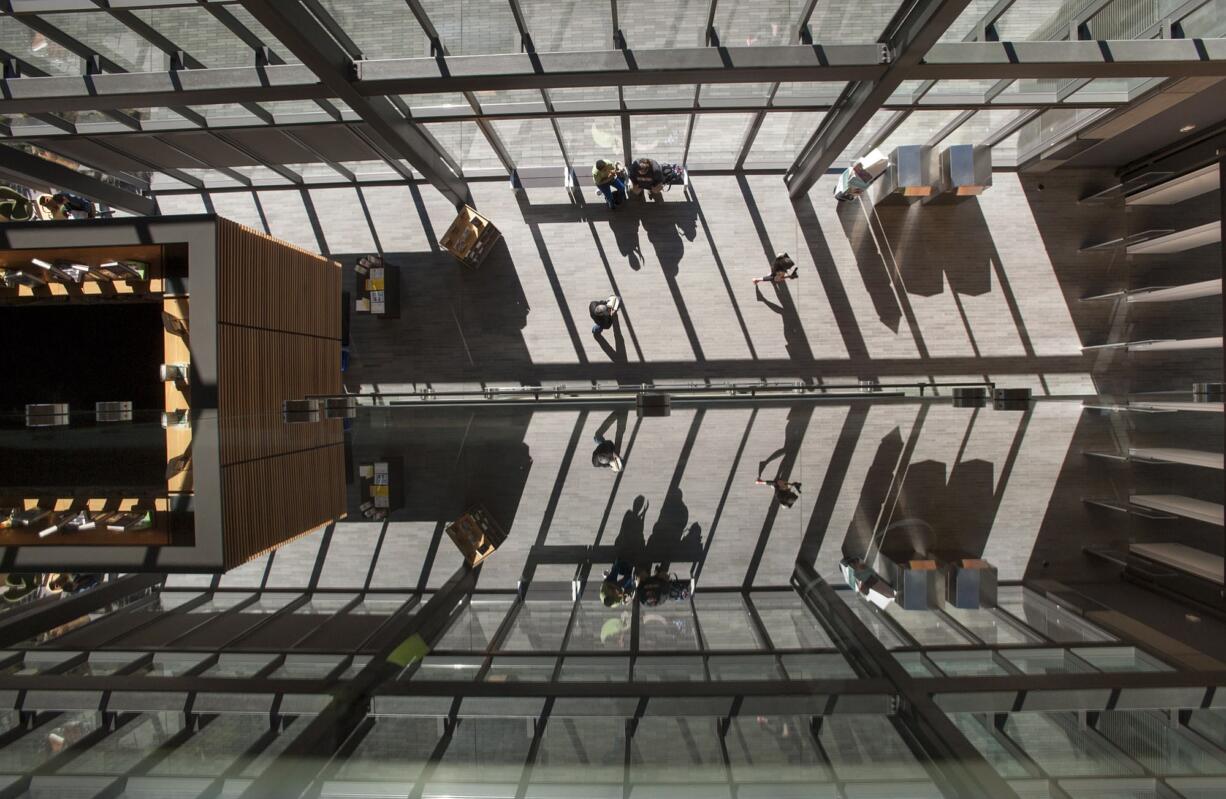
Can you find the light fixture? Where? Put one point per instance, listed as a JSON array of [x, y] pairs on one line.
[[1187, 129]]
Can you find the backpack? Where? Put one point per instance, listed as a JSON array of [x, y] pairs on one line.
[[674, 174]]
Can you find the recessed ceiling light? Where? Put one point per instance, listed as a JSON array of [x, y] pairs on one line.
[[1187, 128]]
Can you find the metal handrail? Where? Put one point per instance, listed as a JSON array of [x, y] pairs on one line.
[[569, 392]]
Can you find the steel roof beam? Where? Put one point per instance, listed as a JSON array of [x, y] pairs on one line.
[[859, 62], [911, 33]]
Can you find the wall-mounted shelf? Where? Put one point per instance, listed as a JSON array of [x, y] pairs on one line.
[[1186, 457], [1121, 506], [1178, 505], [1183, 558], [1160, 407], [1188, 291], [1179, 240], [1129, 241], [1176, 190], [1161, 345]]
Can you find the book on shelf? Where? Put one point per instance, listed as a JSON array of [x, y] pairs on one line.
[[130, 521], [128, 269], [64, 271], [50, 525], [29, 517], [17, 277], [107, 272], [70, 522]]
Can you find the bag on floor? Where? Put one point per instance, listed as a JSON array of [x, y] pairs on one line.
[[674, 174]]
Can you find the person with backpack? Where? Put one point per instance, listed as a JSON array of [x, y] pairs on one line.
[[646, 173], [779, 270], [609, 177], [602, 313]]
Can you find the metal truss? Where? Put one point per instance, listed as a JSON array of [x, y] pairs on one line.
[[336, 69], [391, 134]]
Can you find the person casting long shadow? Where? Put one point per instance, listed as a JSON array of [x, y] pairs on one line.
[[665, 542], [617, 350], [793, 332], [607, 454], [625, 229], [629, 545], [666, 241]]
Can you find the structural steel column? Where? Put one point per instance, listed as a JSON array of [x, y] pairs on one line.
[[22, 167], [914, 29], [958, 766], [394, 136]]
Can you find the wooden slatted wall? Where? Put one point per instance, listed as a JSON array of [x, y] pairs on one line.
[[261, 369], [271, 501], [278, 338], [267, 283]]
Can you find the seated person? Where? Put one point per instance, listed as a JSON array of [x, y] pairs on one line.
[[647, 174], [608, 176], [65, 206], [660, 586], [619, 584]]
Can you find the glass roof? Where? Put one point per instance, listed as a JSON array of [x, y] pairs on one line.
[[662, 117]]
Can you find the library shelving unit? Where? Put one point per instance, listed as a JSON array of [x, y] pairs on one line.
[[247, 322]]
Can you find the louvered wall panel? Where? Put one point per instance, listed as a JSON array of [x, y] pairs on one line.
[[271, 501], [266, 283], [261, 369]]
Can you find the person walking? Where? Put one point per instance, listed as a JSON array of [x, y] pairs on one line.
[[787, 493], [779, 270], [610, 181], [603, 311], [647, 174]]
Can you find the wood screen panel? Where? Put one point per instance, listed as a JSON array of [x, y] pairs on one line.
[[270, 501], [261, 369], [267, 283]]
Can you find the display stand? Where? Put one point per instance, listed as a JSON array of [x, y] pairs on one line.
[[470, 237], [382, 488], [476, 535], [379, 292]]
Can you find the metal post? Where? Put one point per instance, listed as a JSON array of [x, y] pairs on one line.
[[915, 28]]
